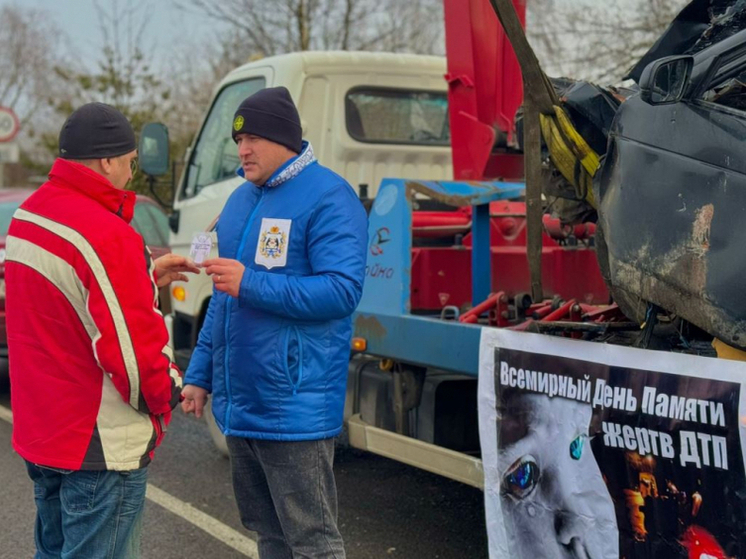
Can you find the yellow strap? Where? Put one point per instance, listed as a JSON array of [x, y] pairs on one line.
[[570, 153]]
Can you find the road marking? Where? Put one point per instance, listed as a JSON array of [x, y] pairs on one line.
[[205, 522], [201, 520]]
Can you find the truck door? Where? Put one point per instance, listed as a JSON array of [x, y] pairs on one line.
[[208, 180]]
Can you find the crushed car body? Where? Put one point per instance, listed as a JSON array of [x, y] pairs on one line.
[[671, 189]]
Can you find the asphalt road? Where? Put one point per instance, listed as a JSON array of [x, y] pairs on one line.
[[386, 509]]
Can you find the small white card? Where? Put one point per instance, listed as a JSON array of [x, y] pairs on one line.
[[201, 247]]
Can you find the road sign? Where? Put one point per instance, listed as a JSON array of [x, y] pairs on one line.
[[9, 124]]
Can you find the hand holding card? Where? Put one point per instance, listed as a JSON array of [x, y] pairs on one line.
[[171, 267], [201, 247]]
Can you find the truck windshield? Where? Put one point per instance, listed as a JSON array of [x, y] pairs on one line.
[[395, 116], [215, 156]]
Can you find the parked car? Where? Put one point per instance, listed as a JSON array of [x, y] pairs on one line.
[[149, 220], [10, 199]]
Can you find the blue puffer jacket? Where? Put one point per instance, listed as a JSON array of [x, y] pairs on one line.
[[275, 359]]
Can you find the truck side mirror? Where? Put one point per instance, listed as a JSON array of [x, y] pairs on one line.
[[665, 81], [153, 151]]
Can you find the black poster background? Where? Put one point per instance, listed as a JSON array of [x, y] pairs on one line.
[[723, 506]]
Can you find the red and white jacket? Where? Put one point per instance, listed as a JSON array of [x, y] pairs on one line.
[[93, 381]]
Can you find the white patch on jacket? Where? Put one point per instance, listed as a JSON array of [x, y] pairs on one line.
[[274, 238]]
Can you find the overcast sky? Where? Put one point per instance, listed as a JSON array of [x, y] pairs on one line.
[[167, 26]]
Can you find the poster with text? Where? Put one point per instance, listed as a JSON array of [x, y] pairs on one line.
[[605, 452]]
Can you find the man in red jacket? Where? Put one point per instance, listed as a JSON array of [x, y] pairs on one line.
[[93, 380]]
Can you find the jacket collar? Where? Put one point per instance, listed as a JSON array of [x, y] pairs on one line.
[[291, 168], [89, 183]]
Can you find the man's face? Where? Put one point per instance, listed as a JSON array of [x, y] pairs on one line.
[[119, 169], [260, 157]]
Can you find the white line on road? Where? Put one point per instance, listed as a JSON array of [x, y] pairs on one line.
[[201, 520], [215, 528]]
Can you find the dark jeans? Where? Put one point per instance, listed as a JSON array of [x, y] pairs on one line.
[[286, 493], [87, 514]]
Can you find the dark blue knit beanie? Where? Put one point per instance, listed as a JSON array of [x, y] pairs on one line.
[[271, 114]]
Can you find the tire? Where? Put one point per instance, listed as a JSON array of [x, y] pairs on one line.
[[217, 436]]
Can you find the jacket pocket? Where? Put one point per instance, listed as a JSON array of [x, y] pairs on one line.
[[293, 362]]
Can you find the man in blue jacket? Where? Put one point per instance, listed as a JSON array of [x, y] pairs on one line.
[[274, 346]]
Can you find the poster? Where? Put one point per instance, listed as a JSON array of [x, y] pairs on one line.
[[599, 451]]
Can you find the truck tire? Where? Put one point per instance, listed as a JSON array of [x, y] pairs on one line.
[[217, 436]]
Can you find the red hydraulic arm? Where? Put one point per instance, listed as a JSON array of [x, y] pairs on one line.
[[485, 89]]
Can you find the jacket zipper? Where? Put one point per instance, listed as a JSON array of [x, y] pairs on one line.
[[228, 302]]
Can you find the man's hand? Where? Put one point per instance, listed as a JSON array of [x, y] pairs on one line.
[[226, 274], [169, 267], [195, 399]]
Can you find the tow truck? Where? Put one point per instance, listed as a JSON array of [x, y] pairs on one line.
[[665, 261], [449, 258]]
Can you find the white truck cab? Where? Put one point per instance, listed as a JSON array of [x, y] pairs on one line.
[[367, 116]]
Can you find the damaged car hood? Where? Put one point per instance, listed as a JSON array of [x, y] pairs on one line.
[[699, 25]]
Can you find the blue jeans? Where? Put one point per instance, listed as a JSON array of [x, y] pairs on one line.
[[87, 513], [286, 493]]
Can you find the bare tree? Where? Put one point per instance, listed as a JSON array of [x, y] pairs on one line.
[[597, 41], [290, 25], [415, 26], [587, 39], [28, 52], [269, 28], [123, 77]]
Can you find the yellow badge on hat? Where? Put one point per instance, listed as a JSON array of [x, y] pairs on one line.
[[238, 123]]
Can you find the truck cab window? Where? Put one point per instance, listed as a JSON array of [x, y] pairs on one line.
[[396, 116], [214, 157]]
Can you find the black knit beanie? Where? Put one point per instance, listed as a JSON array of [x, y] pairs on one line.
[[95, 131], [271, 114]]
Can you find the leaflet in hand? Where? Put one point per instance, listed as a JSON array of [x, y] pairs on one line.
[[201, 247]]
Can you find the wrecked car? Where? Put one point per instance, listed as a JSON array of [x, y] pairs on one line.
[[667, 186], [671, 190]]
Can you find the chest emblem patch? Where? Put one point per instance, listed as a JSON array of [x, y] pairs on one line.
[[272, 243], [272, 248]]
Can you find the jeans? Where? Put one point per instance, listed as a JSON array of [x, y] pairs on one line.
[[87, 514], [286, 493]]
